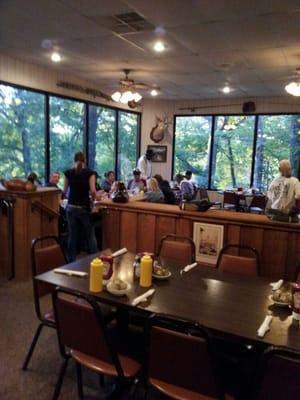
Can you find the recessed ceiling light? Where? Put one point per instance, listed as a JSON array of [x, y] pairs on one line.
[[226, 89], [154, 92], [55, 57], [159, 46]]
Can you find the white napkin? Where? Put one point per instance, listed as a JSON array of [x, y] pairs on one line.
[[70, 272], [119, 252], [265, 326], [276, 285], [189, 267], [142, 297]]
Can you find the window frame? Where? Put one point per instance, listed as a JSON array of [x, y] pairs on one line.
[[86, 103], [212, 133]]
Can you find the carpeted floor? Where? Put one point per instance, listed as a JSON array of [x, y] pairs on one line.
[[17, 326]]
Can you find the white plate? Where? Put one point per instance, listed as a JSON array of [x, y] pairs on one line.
[[162, 277], [116, 292], [278, 303]]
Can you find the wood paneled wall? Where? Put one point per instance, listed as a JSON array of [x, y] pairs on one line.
[[139, 229]]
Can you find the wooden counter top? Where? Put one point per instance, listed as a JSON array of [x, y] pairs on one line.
[[40, 191], [211, 214]]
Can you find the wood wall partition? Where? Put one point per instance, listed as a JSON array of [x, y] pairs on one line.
[[139, 227], [30, 220]]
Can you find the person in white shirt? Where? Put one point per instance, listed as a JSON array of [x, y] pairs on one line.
[[186, 187], [145, 164], [284, 190]]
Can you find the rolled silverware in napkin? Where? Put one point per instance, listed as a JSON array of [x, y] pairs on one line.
[[70, 272], [188, 267], [142, 297], [276, 285], [119, 252], [265, 326]]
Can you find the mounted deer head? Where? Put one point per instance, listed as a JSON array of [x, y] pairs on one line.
[[161, 127]]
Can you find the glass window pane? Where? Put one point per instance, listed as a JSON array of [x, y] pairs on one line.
[[102, 127], [192, 144], [127, 144], [67, 128], [232, 152], [22, 138], [278, 138]]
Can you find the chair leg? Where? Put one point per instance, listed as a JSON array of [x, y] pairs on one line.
[[32, 346], [60, 379], [79, 381]]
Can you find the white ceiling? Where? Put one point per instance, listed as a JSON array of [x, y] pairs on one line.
[[254, 46]]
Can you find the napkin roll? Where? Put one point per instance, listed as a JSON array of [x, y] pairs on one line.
[[189, 267], [276, 285], [142, 297], [70, 272], [119, 252], [265, 326]]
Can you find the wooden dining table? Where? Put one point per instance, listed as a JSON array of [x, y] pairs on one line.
[[233, 306]]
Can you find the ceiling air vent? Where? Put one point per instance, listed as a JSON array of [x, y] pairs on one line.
[[125, 23]]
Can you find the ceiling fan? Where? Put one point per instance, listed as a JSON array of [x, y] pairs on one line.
[[127, 93]]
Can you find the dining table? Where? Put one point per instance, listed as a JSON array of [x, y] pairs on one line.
[[229, 305]]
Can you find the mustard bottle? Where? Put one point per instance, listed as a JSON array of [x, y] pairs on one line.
[[146, 271], [96, 271]]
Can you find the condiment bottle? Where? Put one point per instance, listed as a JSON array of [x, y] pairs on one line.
[[146, 271], [137, 266], [296, 301], [107, 266], [96, 279]]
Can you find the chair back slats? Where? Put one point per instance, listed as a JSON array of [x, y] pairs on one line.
[[238, 264], [203, 194], [278, 375], [178, 248], [79, 329], [182, 360], [259, 201], [230, 198], [241, 260]]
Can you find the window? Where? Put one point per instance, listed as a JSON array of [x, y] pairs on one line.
[[22, 138], [127, 144], [278, 138], [192, 146], [102, 128], [67, 128], [232, 152]]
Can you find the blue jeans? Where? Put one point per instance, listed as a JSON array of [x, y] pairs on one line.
[[79, 223]]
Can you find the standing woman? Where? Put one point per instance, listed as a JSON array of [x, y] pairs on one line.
[[80, 183]]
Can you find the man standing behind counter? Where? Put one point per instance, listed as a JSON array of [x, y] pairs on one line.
[[284, 190], [145, 164]]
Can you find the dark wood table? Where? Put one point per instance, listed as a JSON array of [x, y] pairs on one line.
[[230, 305]]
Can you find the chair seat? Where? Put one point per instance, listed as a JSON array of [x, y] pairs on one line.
[[179, 393], [129, 366]]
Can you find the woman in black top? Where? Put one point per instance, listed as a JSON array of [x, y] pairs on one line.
[[80, 181]]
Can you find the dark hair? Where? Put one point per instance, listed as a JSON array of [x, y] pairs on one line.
[[32, 177], [159, 178], [79, 159], [136, 171], [149, 153], [106, 174], [188, 173]]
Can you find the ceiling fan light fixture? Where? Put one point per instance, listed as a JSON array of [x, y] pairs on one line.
[[126, 97], [116, 96], [226, 89], [55, 57], [154, 92], [293, 88], [137, 97]]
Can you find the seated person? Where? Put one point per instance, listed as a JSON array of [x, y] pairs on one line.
[[187, 188], [189, 177], [136, 184], [153, 194], [108, 181], [284, 190], [53, 180], [177, 180], [166, 190], [97, 184], [33, 178]]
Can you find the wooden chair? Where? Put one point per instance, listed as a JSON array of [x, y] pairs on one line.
[[180, 361], [84, 336], [278, 375], [237, 263], [204, 196], [43, 259], [258, 204], [230, 201], [179, 248]]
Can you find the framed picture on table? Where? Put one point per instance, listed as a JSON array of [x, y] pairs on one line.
[[208, 239], [159, 153]]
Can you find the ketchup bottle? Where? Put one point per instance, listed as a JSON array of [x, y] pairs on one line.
[[296, 301], [107, 266]]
